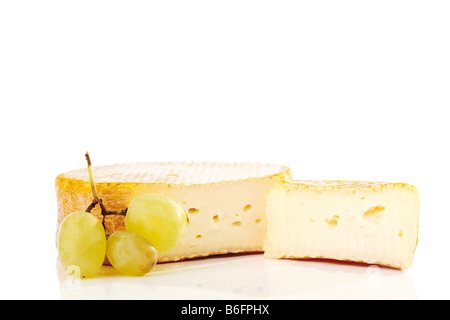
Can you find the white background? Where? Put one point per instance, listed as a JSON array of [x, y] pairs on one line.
[[333, 89]]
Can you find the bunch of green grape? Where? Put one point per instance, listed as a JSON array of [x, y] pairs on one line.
[[153, 223]]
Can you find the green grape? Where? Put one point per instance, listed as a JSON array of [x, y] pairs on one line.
[[158, 218], [82, 243], [131, 253]]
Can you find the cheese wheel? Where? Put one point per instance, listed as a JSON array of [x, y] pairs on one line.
[[225, 202]]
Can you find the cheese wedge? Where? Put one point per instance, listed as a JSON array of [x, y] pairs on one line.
[[224, 201], [370, 222]]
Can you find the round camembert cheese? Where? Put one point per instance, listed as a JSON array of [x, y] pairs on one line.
[[225, 202]]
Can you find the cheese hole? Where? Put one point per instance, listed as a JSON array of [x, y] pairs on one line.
[[374, 214], [216, 219], [237, 224], [199, 236], [400, 233], [258, 221], [193, 210], [333, 222], [247, 207]]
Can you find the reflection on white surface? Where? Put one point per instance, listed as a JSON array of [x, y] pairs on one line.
[[245, 277]]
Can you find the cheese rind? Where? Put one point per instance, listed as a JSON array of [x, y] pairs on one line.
[[224, 201], [369, 222]]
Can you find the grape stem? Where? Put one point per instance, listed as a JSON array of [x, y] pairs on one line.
[[91, 177], [97, 199]]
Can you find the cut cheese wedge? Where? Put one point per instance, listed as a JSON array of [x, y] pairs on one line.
[[224, 201], [370, 222]]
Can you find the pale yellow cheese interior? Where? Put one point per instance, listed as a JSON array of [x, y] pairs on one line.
[[370, 222]]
